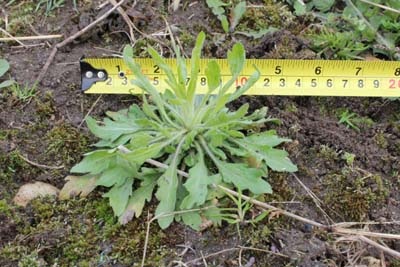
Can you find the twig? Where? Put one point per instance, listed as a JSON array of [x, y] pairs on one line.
[[71, 38], [41, 165], [31, 38], [11, 37], [126, 18], [89, 111]]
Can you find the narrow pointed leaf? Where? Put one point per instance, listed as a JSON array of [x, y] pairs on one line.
[[250, 82], [6, 83], [4, 66], [213, 74], [236, 58], [237, 14], [195, 64]]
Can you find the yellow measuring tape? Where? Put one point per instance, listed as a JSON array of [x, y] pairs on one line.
[[278, 77]]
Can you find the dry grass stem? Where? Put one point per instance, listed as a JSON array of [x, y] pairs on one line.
[[30, 38], [126, 19], [318, 202], [11, 37], [42, 166], [89, 111], [381, 6]]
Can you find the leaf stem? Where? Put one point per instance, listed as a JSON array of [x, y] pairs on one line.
[[207, 149]]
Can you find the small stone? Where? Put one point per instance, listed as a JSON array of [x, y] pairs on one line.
[[30, 191]]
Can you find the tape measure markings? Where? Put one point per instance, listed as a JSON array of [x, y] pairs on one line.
[[278, 77]]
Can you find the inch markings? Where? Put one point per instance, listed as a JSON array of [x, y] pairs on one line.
[[277, 77]]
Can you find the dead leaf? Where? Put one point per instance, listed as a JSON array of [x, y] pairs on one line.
[[78, 186], [28, 192]]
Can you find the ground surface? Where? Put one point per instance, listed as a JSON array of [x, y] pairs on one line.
[[48, 129]]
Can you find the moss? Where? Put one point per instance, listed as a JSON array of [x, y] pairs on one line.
[[395, 263], [281, 190], [20, 16], [140, 48], [45, 108], [380, 140], [351, 193], [7, 134], [292, 108], [84, 232], [20, 255], [31, 260], [66, 144], [328, 153], [5, 208], [187, 39], [14, 168], [271, 14]]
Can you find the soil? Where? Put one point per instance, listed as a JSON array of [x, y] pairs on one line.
[[48, 130]]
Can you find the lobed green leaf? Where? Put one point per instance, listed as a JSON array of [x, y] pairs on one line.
[[166, 194], [112, 130], [119, 195], [244, 177], [138, 198], [196, 185], [95, 162]]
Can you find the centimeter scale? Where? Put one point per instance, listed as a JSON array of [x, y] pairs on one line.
[[278, 77]]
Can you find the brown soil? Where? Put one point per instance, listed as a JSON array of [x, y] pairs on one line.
[[47, 130]]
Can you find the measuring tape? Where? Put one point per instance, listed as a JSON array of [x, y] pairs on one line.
[[278, 77]]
